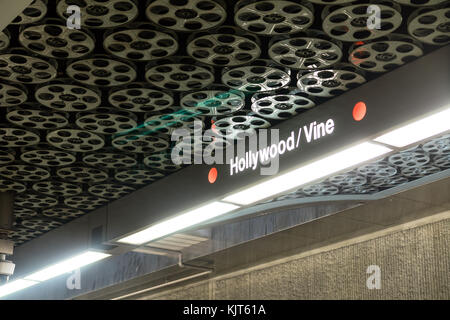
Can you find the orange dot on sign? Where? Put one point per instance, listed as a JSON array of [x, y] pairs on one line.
[[212, 176], [359, 111]]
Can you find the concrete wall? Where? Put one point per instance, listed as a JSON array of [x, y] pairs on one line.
[[414, 261]]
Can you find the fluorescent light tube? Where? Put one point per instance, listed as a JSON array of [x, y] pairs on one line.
[[15, 286], [308, 173], [180, 222], [67, 266], [418, 130]]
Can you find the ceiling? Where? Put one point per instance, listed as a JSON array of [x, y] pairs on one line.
[[86, 114]]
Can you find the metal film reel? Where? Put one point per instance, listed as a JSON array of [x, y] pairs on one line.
[[380, 169], [33, 116], [179, 74], [364, 189], [419, 172], [80, 174], [198, 146], [439, 146], [9, 185], [67, 96], [419, 3], [85, 202], [101, 14], [17, 66], [24, 213], [348, 180], [35, 11], [63, 213], [273, 17], [6, 157], [42, 225], [187, 15], [35, 200], [53, 39], [57, 188], [45, 155], [442, 161], [386, 54], [218, 100], [350, 23], [281, 107], [161, 161], [320, 189], [12, 95], [306, 52], [168, 123], [262, 75], [22, 235], [238, 127], [138, 176], [24, 172], [334, 2], [15, 137], [409, 159], [141, 43], [107, 121], [430, 26], [110, 160], [290, 91], [101, 71], [139, 140], [227, 46], [388, 182], [75, 140], [331, 82], [110, 190], [4, 40], [140, 97]]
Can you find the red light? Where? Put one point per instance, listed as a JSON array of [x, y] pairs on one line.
[[212, 175], [359, 43], [359, 111]]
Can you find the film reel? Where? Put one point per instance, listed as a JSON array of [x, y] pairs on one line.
[[4, 40], [204, 146], [17, 66], [333, 2], [15, 137], [110, 190], [442, 161], [262, 75], [419, 3], [419, 172], [24, 172], [348, 180], [75, 140], [106, 121], [430, 26], [380, 169], [409, 159], [386, 54], [168, 123], [101, 71], [238, 127], [139, 140], [273, 17], [45, 155], [351, 23], [42, 225], [63, 95], [11, 186], [142, 43], [12, 95], [35, 200], [227, 46], [331, 82], [57, 188], [22, 235], [138, 176], [364, 189], [53, 39], [6, 157], [320, 190], [101, 14], [281, 107], [388, 182], [439, 146], [24, 213], [80, 174], [309, 50], [187, 15], [35, 11], [179, 74], [161, 161], [286, 91], [62, 213], [33, 116], [110, 160], [85, 202]]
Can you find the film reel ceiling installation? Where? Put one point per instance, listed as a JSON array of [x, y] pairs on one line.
[[90, 107]]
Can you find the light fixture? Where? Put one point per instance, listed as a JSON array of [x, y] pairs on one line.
[[309, 173], [15, 286], [180, 222], [67, 266], [418, 130]]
